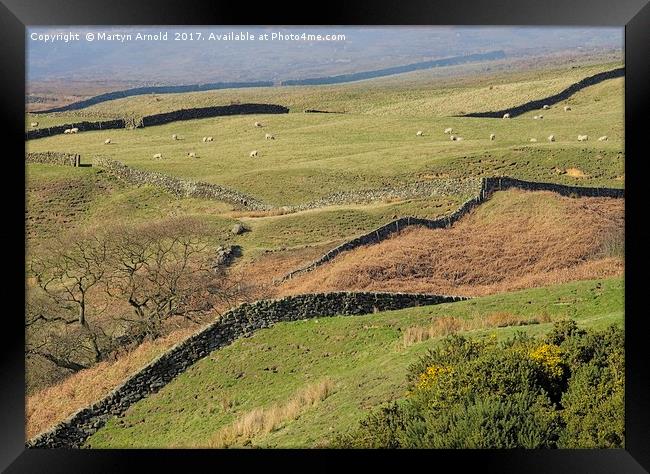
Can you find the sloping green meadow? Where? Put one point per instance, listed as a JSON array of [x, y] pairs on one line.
[[316, 155], [365, 357]]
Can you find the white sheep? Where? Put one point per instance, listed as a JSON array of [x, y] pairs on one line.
[[157, 156], [567, 108], [419, 133], [208, 139], [253, 153], [174, 137], [205, 139], [191, 154], [34, 124], [459, 139], [67, 130], [603, 138], [268, 136], [449, 130], [535, 117], [258, 124], [492, 136], [453, 138], [583, 138], [551, 138], [74, 130], [533, 140], [107, 141], [546, 107], [506, 116]]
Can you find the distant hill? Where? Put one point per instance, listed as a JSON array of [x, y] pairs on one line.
[[151, 63]]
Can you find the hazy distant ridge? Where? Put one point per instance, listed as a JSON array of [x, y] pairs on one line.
[[359, 76]]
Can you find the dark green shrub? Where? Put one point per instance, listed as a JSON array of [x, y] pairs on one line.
[[565, 390]]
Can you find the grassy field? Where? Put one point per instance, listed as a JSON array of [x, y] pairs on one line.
[[348, 364], [315, 155], [85, 198], [364, 357], [443, 91]]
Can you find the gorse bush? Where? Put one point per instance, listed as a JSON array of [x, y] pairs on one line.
[[562, 391]]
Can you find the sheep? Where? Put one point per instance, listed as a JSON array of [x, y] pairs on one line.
[[258, 124], [205, 139], [603, 138], [174, 137], [449, 130], [107, 141], [535, 117], [459, 139], [551, 138], [74, 130], [208, 139], [157, 156], [533, 140], [67, 130], [253, 153], [583, 138], [546, 107], [492, 136], [506, 116], [419, 133], [452, 138], [567, 108], [34, 124], [191, 154], [268, 136]]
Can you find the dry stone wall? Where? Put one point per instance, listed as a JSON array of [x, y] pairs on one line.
[[418, 189], [487, 187], [553, 99], [159, 119], [177, 186], [155, 90], [54, 158], [241, 321]]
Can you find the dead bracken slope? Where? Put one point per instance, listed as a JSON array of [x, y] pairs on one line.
[[516, 240]]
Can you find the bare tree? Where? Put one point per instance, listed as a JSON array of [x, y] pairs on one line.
[[161, 271], [90, 294], [66, 269]]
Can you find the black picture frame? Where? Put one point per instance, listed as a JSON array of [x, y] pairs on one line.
[[634, 15]]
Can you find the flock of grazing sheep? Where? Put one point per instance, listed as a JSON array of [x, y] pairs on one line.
[[191, 154], [449, 131], [550, 138]]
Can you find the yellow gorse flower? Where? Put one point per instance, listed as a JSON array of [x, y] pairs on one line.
[[429, 376], [549, 356]]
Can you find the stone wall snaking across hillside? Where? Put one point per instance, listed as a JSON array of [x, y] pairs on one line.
[[487, 187], [554, 99], [179, 187], [418, 189], [162, 118], [241, 321], [54, 158], [154, 90]]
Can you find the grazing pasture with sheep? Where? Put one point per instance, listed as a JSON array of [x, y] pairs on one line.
[[370, 146]]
